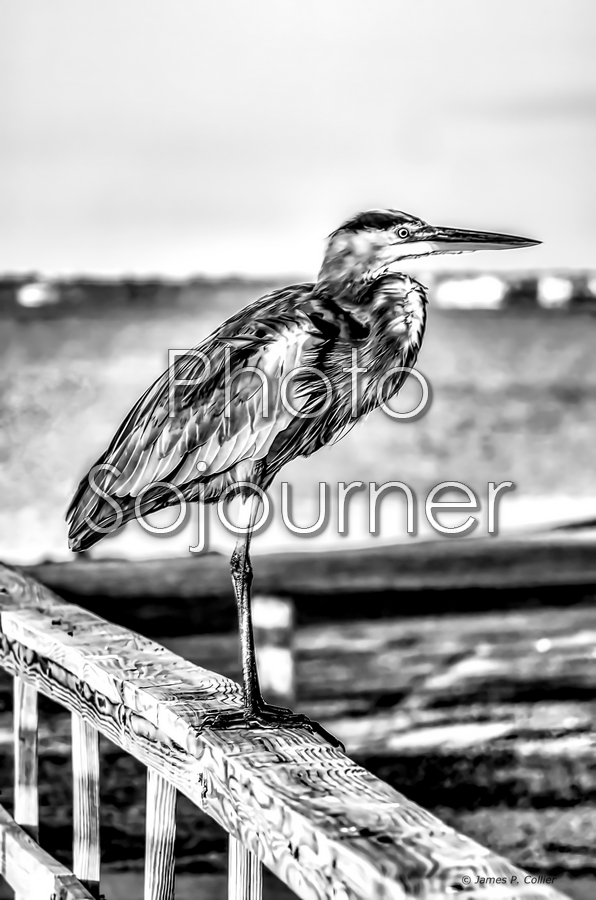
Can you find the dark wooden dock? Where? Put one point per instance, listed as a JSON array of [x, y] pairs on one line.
[[174, 596]]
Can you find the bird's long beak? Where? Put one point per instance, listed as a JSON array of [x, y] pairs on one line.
[[459, 240]]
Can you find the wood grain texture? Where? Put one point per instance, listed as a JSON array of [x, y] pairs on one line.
[[245, 874], [26, 803], [85, 772], [446, 750], [160, 833], [30, 871], [324, 825]]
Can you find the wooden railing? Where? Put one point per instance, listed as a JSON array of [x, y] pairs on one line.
[[324, 825]]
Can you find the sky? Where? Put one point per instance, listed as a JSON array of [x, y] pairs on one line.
[[175, 137]]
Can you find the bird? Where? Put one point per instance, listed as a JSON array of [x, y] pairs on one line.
[[272, 383]]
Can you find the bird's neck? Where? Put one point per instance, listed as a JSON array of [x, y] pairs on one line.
[[395, 310], [346, 287], [348, 270]]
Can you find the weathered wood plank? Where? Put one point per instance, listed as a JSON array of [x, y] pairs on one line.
[[448, 754], [557, 840], [411, 578], [543, 785], [245, 875], [324, 825], [26, 803], [29, 870], [85, 773], [160, 832]]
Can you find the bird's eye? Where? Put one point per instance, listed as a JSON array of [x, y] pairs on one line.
[[403, 232]]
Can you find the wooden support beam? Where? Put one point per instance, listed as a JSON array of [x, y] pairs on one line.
[[160, 833], [193, 595], [324, 825], [273, 621], [85, 772], [30, 871], [26, 802], [245, 873]]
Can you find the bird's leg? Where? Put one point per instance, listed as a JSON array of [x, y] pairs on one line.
[[241, 568], [256, 713]]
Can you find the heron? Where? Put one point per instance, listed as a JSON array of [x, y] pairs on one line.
[[272, 383]]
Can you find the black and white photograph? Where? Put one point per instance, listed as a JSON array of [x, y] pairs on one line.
[[298, 450]]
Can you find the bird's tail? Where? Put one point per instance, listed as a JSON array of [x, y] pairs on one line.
[[96, 512], [93, 512]]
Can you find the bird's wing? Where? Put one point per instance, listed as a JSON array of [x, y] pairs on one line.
[[212, 427], [217, 405]]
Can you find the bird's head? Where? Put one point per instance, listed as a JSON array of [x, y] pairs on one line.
[[369, 243]]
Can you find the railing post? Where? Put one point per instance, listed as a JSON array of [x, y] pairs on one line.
[[86, 851], [245, 873], [160, 833], [26, 797], [26, 804]]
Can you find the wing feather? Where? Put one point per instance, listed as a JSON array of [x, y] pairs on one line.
[[203, 420], [220, 434]]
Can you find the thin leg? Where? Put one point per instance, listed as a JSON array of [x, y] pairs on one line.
[[256, 713], [241, 569]]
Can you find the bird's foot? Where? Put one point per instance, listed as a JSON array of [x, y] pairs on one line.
[[263, 715]]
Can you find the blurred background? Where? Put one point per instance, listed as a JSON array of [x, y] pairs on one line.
[[163, 164]]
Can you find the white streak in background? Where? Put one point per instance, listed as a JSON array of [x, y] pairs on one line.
[[484, 292], [273, 619], [451, 736], [271, 612], [37, 293], [276, 670], [554, 292], [592, 286]]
